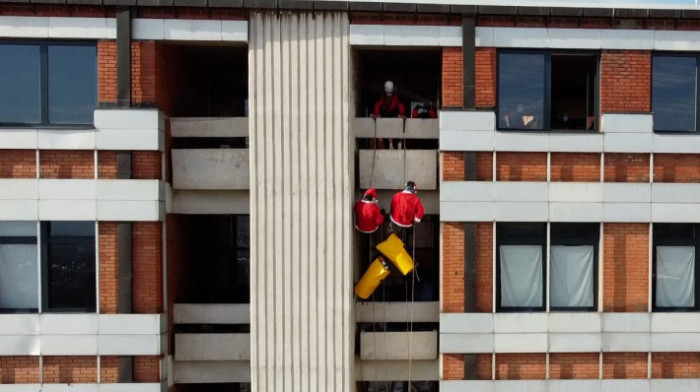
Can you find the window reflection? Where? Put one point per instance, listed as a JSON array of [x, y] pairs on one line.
[[521, 90], [20, 84], [673, 93]]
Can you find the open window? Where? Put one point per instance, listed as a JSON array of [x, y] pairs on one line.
[[674, 264], [573, 263], [547, 90], [520, 266]]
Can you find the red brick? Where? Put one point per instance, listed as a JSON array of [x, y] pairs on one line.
[[521, 166], [684, 168], [521, 366], [625, 81], [574, 366], [625, 267], [625, 365], [70, 369], [67, 164], [17, 164], [675, 365], [19, 370], [579, 167], [626, 167]]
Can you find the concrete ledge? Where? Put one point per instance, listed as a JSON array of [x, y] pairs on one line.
[[211, 169], [388, 169], [630, 385], [395, 345], [410, 128], [212, 313], [396, 370], [209, 126], [210, 202], [190, 30], [212, 347], [395, 312], [196, 372]]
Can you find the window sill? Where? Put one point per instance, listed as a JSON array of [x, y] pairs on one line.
[[47, 127], [553, 131]]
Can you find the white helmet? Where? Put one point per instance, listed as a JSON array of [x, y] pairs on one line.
[[389, 86]]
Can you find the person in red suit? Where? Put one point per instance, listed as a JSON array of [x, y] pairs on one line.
[[368, 216], [406, 207], [389, 104]]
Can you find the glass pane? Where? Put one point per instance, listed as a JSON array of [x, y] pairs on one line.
[[17, 229], [72, 229], [675, 276], [572, 276], [521, 275], [521, 91], [673, 93], [20, 84], [243, 231], [72, 84], [18, 277], [71, 276]]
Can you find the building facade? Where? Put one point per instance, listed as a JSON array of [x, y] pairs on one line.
[[177, 180]]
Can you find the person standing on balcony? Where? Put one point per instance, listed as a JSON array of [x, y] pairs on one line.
[[368, 216], [388, 105]]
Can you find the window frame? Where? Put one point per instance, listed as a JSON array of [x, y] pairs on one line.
[[594, 240], [501, 239], [45, 240], [656, 241], [694, 55], [547, 99], [44, 83]]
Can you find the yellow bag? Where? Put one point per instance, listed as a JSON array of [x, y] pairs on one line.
[[393, 248], [376, 272]]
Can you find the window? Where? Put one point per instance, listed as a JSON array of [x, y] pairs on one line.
[[543, 90], [66, 267], [47, 84], [674, 92], [674, 258], [520, 266], [68, 258], [573, 259], [18, 267]]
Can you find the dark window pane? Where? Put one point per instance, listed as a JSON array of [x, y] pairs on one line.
[[521, 91], [72, 229], [71, 276], [72, 84], [673, 93], [243, 232], [20, 84]]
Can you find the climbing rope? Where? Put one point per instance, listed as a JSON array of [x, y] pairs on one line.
[[413, 287]]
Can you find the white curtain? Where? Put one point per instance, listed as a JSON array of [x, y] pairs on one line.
[[675, 276], [521, 275], [18, 276], [571, 278]]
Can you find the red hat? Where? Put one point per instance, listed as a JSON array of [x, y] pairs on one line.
[[371, 192]]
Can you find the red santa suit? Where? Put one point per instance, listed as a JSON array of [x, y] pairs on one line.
[[389, 106], [406, 208], [368, 216]]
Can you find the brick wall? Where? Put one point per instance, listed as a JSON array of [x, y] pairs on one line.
[[146, 369], [485, 73], [453, 366], [625, 365], [107, 71], [625, 81], [484, 166], [626, 168], [109, 267], [483, 366], [147, 267], [626, 267], [107, 164], [70, 369], [579, 167], [17, 164], [574, 366], [109, 369], [66, 164], [675, 365], [677, 168], [453, 267], [452, 94], [146, 165], [484, 267], [143, 72], [396, 18], [521, 166], [452, 166], [19, 370], [520, 366]]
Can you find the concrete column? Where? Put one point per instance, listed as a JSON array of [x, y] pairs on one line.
[[301, 196]]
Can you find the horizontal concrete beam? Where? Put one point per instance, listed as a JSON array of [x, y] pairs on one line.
[[209, 126], [212, 347], [210, 169], [210, 202], [652, 385], [212, 313], [395, 345], [205, 372], [396, 370], [390, 169], [410, 128], [395, 312]]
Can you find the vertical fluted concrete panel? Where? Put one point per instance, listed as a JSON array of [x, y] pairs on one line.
[[301, 194]]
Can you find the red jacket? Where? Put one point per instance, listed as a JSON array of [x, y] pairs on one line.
[[406, 208], [389, 106], [368, 217]]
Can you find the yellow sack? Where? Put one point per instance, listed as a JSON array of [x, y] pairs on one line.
[[393, 248], [374, 275]]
